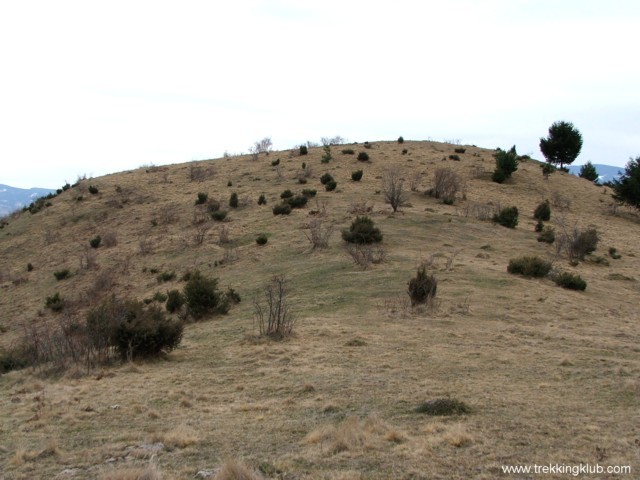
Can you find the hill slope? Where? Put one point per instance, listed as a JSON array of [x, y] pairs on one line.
[[551, 375]]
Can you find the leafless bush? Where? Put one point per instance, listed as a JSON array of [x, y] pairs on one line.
[[102, 285], [199, 173], [319, 233], [393, 188], [201, 233], [364, 255], [560, 201], [337, 140], [146, 246], [110, 239], [275, 319], [261, 146], [229, 256], [481, 211], [478, 171], [224, 236], [321, 208], [396, 306], [446, 184], [166, 215], [200, 215], [575, 242], [450, 260], [306, 172], [359, 208], [415, 179], [246, 201], [279, 175], [88, 258]]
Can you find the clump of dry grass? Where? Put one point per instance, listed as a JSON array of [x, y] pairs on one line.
[[234, 470], [354, 434], [150, 472], [180, 437]]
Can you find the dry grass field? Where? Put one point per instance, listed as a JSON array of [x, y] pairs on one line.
[[551, 376]]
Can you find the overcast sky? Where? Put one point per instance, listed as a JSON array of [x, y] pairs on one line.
[[91, 87]]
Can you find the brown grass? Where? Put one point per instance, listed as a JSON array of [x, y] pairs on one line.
[[551, 375]]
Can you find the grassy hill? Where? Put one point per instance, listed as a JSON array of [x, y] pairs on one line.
[[550, 375]]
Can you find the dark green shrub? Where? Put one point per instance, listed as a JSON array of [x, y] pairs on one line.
[[498, 176], [303, 150], [286, 194], [330, 186], [213, 206], [529, 267], [570, 281], [202, 199], [229, 183], [233, 200], [363, 156], [55, 302], [422, 288], [508, 217], [232, 296], [588, 171], [309, 192], [29, 267], [14, 359], [219, 215], [262, 239], [547, 169], [93, 190], [132, 330], [95, 241], [348, 151], [543, 211], [367, 145], [302, 180], [159, 297], [613, 253], [581, 243], [459, 150], [62, 274], [400, 139], [298, 201], [539, 226], [262, 200], [362, 230], [326, 156], [626, 188], [175, 300], [405, 151], [356, 176], [454, 157], [275, 162], [203, 297], [443, 407], [166, 276], [282, 209], [507, 161], [548, 235], [326, 178]]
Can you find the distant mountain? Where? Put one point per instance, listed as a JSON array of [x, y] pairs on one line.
[[12, 198], [606, 173]]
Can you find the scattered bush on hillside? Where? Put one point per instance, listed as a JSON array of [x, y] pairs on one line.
[[175, 301], [330, 185], [166, 276], [365, 255], [133, 330], [298, 201], [348, 151], [282, 209], [62, 274], [454, 157], [274, 317], [570, 281], [14, 359], [508, 217], [578, 243], [498, 176], [110, 239], [233, 200], [613, 253], [446, 185], [318, 233], [202, 198], [309, 192], [548, 235], [529, 267], [286, 194], [539, 226], [219, 215], [588, 172], [275, 163], [93, 190], [422, 288], [326, 178], [203, 298], [405, 151], [362, 230], [626, 188], [55, 302], [262, 239], [326, 156], [400, 139], [356, 176], [393, 188], [30, 265], [443, 407], [547, 169], [506, 162], [459, 150], [543, 211], [363, 157], [95, 241], [262, 200], [303, 150]]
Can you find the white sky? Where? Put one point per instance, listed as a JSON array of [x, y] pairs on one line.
[[91, 87]]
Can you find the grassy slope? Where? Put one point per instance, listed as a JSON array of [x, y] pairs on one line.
[[552, 375]]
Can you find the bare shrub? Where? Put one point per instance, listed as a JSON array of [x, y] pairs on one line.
[[200, 215], [102, 284], [274, 319], [415, 179], [364, 255], [201, 233], [229, 256], [166, 215], [146, 246], [359, 208], [199, 173], [446, 184], [478, 171], [262, 146], [481, 211], [88, 258], [560, 201], [575, 242], [398, 305], [321, 208], [319, 233], [393, 188], [110, 239], [224, 237]]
